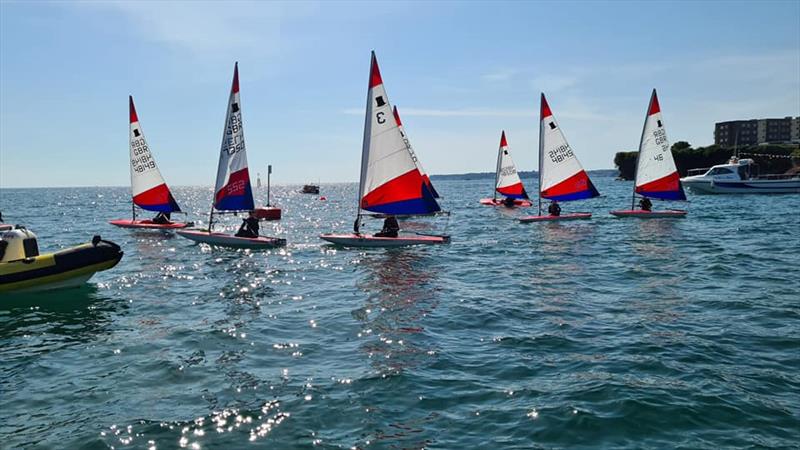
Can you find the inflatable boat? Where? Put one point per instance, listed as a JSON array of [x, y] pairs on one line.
[[23, 269]]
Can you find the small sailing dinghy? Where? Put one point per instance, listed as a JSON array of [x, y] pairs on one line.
[[561, 176], [425, 176], [233, 192], [656, 175], [149, 190], [506, 180], [391, 183]]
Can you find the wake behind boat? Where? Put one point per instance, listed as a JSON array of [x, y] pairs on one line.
[[561, 176], [391, 182], [506, 181], [149, 190], [233, 193], [656, 174]]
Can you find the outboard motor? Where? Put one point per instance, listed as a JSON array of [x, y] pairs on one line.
[[17, 243]]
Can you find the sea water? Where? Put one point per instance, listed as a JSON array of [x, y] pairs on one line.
[[608, 333]]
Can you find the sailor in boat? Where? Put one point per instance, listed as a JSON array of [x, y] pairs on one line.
[[646, 204], [162, 218], [390, 228], [554, 209], [249, 228], [508, 202]]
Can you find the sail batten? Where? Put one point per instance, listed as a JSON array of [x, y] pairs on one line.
[[148, 189], [232, 190], [656, 173], [391, 180], [561, 175]]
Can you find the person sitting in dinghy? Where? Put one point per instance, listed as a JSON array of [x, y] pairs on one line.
[[508, 202], [554, 209], [249, 228], [390, 228], [646, 204], [162, 218]]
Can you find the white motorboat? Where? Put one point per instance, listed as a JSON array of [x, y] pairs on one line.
[[740, 176]]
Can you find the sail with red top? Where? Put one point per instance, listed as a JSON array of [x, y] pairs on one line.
[[656, 174], [390, 182], [232, 191], [148, 187], [507, 181]]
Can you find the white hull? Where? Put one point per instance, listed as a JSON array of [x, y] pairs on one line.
[[756, 186], [229, 240], [368, 240]]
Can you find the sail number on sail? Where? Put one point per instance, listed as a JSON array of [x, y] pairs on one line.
[[142, 160], [508, 170], [234, 141], [661, 139], [560, 153]]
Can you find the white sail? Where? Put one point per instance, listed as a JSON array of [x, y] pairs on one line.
[[508, 181], [656, 173]]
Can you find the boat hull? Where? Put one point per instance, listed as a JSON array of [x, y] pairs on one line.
[[638, 213], [368, 240], [519, 203], [561, 218], [231, 241], [148, 224], [71, 267], [705, 186]]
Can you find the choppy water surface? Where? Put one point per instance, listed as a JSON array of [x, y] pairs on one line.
[[602, 334]]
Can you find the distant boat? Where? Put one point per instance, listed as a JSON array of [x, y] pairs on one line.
[[656, 174], [561, 176], [506, 180], [739, 176], [310, 189], [391, 183], [149, 190], [232, 192], [425, 176]]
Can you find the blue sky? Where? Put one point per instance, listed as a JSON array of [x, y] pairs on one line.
[[458, 72]]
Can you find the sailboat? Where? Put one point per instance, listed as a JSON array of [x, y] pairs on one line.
[[232, 192], [425, 176], [148, 188], [656, 174], [561, 176], [391, 183], [506, 179]]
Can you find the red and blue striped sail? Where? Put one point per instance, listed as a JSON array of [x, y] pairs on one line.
[[656, 174], [508, 182], [561, 176], [148, 188], [425, 176], [391, 181], [232, 190]]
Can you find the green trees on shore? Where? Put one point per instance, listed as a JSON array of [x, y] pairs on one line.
[[770, 158]]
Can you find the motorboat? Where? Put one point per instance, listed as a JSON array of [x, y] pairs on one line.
[[740, 176]]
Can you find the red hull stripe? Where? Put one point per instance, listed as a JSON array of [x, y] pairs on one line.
[[237, 185], [514, 189], [545, 109], [397, 117], [654, 107], [158, 195], [405, 187], [374, 73], [576, 183], [235, 87], [668, 183], [132, 109], [503, 142]]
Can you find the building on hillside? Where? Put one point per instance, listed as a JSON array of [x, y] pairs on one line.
[[757, 131]]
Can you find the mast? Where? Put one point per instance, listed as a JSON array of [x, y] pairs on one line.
[[639, 153], [269, 172], [541, 149], [497, 167], [365, 143]]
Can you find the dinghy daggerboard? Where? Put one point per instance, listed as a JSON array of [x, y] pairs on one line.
[[148, 189], [561, 176], [391, 181], [656, 174], [506, 179]]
